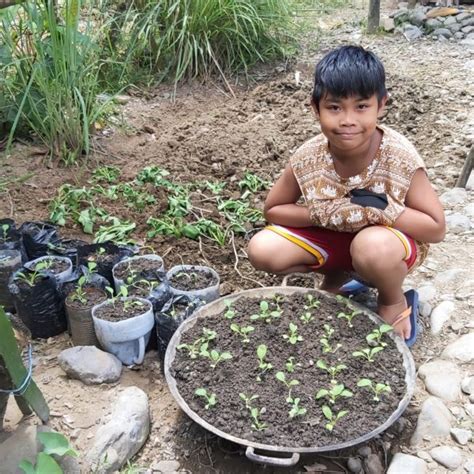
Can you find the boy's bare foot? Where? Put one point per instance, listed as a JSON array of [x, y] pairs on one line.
[[390, 313]]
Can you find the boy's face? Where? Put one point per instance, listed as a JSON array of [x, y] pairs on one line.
[[348, 123]]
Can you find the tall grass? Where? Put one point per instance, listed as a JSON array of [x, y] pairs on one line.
[[50, 75]]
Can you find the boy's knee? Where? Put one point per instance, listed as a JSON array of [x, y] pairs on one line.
[[262, 253], [373, 247]]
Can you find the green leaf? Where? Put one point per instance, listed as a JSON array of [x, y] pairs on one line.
[[56, 443], [321, 364], [337, 390], [201, 392], [327, 412], [263, 306], [280, 376], [226, 356], [86, 221], [235, 327], [347, 393], [358, 354], [190, 231], [293, 383], [376, 349], [322, 393], [47, 465], [385, 328], [214, 354], [341, 414], [27, 467], [261, 351], [364, 383]]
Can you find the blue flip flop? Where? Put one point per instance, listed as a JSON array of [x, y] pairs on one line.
[[412, 301], [353, 287]]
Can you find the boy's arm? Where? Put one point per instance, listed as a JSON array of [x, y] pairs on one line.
[[423, 217], [280, 205]]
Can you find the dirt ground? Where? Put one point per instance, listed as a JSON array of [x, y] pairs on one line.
[[207, 133]]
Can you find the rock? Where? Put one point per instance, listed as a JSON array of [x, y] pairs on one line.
[[425, 309], [448, 276], [469, 466], [123, 436], [434, 420], [412, 32], [90, 365], [388, 24], [405, 463], [165, 467], [122, 99], [373, 465], [469, 42], [440, 315], [468, 21], [454, 28], [470, 409], [426, 293], [417, 17], [451, 20], [461, 436], [467, 385], [444, 32], [459, 35], [424, 455], [447, 456], [433, 24], [364, 451], [467, 29], [458, 222], [442, 379], [462, 16], [354, 465], [469, 209], [461, 350]]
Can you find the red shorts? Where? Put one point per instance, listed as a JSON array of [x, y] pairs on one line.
[[332, 249]]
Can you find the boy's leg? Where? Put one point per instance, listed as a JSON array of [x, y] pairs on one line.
[[378, 257]]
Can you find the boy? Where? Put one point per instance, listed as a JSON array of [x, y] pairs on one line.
[[369, 206]]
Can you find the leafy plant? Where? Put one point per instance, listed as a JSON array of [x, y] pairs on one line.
[[288, 383], [230, 313], [242, 331], [377, 388], [263, 365], [312, 302], [375, 337], [265, 313], [251, 183], [194, 349], [307, 317], [293, 337], [5, 228], [255, 414], [333, 371], [349, 316], [109, 174], [334, 393], [214, 356], [30, 278], [327, 347], [295, 409], [248, 400], [53, 444], [368, 353], [290, 365], [79, 293], [117, 232], [332, 418], [210, 398], [215, 187]]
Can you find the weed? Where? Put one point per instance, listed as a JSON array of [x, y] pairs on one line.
[[210, 398]]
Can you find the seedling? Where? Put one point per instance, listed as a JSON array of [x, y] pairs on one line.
[[307, 317], [375, 337], [199, 344], [263, 365], [312, 302], [349, 316], [288, 383], [193, 349], [293, 337], [334, 393], [248, 400], [243, 332], [327, 347], [215, 187], [296, 410], [44, 265], [79, 294], [230, 313], [208, 335], [210, 398], [265, 313], [368, 353], [29, 278], [333, 371], [378, 388], [255, 414], [252, 183], [332, 418], [290, 365], [5, 228], [214, 356], [278, 299]]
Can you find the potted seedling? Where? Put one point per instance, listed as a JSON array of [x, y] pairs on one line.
[[333, 371], [194, 281], [210, 399], [213, 355], [378, 389], [368, 353], [194, 348], [375, 337], [78, 305], [242, 331], [293, 337], [266, 314], [263, 365], [254, 412], [334, 393], [123, 326], [332, 418], [326, 345], [60, 267]]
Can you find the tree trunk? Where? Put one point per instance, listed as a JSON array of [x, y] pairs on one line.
[[466, 170], [373, 21]]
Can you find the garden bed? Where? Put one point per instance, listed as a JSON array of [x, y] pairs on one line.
[[243, 375]]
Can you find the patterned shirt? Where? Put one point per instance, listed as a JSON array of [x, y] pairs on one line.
[[327, 194]]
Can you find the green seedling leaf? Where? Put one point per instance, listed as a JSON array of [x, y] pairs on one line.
[[327, 412], [261, 351], [322, 393], [341, 414], [280, 376], [56, 443], [47, 465], [364, 383], [201, 392], [27, 467]]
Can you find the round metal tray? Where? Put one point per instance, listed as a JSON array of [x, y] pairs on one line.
[[218, 306]]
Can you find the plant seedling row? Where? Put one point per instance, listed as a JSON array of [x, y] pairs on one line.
[[283, 376]]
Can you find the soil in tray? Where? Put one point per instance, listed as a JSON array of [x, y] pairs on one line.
[[240, 374], [137, 268], [188, 280], [56, 267], [91, 296], [120, 311], [104, 257]]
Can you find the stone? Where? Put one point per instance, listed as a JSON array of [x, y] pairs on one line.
[[447, 456], [354, 465], [469, 42], [424, 455], [412, 32], [364, 451], [454, 28], [451, 20], [461, 350], [433, 24], [459, 35], [458, 222], [448, 276], [469, 209], [468, 21], [444, 32], [442, 379], [90, 365], [440, 315], [467, 385], [373, 465], [426, 293], [425, 309], [388, 24], [470, 409], [124, 434], [165, 467], [434, 420], [122, 99], [462, 16], [469, 466], [461, 436], [405, 463], [467, 29], [417, 17]]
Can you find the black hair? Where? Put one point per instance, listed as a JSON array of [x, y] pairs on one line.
[[349, 71]]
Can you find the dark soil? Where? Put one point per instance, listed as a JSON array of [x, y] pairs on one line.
[[137, 268], [192, 279], [105, 258], [240, 374], [92, 297], [57, 266], [118, 312], [23, 285]]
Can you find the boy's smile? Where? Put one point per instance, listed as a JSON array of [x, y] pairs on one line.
[[349, 123]]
